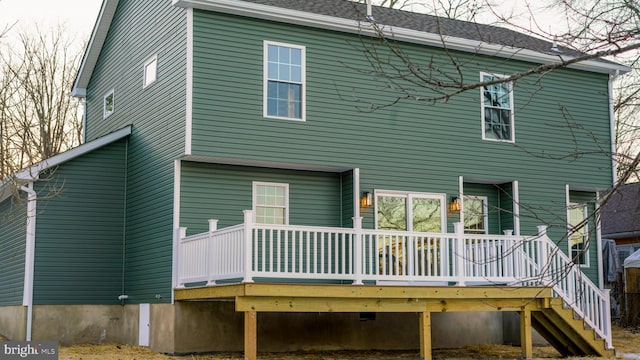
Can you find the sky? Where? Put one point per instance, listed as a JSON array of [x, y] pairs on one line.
[[78, 16]]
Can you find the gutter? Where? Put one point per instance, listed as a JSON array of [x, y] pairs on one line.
[[27, 295]]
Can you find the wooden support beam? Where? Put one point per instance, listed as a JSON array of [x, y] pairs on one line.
[[250, 335], [425, 335], [525, 334]]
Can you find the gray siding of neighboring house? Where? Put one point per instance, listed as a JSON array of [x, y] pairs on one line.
[[211, 191], [13, 224], [79, 229], [140, 30], [561, 120]]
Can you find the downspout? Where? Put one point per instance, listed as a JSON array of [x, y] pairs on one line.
[[27, 295]]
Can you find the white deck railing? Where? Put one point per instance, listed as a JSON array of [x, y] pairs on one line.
[[257, 251]]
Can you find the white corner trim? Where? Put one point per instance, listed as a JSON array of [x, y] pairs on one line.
[[189, 80], [177, 174]]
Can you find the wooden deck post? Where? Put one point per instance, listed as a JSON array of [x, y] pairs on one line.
[[250, 335], [525, 334], [425, 335]]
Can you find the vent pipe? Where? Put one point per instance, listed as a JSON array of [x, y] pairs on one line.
[[369, 9]]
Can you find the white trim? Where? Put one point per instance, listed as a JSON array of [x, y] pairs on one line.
[[302, 83], [177, 175], [255, 184], [259, 11], [599, 241], [485, 213], [32, 172], [410, 195], [145, 81], [461, 196], [105, 112], [94, 47], [251, 9], [511, 114], [516, 207], [356, 193], [612, 130], [189, 80], [586, 246]]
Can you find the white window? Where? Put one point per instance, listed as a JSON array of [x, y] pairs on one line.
[[497, 109], [476, 219], [284, 81], [421, 212], [150, 71], [578, 233], [271, 203], [108, 105]]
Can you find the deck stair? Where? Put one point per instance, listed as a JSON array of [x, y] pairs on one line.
[[567, 332]]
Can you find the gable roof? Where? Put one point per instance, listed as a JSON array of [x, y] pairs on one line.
[[348, 16], [621, 213], [32, 172]]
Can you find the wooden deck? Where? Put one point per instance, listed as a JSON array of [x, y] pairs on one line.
[[530, 302]]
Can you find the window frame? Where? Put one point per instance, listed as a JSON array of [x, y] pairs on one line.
[[584, 230], [105, 113], [303, 80], [485, 214], [254, 200], [409, 196], [149, 61], [512, 138]]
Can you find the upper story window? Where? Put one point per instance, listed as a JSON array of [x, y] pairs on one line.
[[150, 71], [497, 109], [284, 81], [578, 233], [271, 203], [108, 106]]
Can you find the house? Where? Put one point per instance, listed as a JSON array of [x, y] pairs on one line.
[[234, 192], [621, 219]]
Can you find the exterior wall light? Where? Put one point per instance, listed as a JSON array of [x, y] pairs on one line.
[[366, 200], [454, 205]]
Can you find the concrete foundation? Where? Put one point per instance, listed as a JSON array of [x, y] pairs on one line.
[[13, 322], [211, 326], [80, 324]]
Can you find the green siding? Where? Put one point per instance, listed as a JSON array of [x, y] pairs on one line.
[[222, 192], [561, 121], [140, 30], [13, 223], [79, 229]]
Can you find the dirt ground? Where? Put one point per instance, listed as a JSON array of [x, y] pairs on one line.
[[626, 341]]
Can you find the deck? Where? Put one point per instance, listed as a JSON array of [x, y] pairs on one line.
[[364, 270]]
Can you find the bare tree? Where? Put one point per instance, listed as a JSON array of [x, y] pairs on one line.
[[38, 119]]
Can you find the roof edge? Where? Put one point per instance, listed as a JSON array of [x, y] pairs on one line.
[[94, 47], [31, 173], [297, 17]]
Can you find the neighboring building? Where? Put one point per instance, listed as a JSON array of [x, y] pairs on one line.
[[202, 109], [621, 219]]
